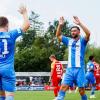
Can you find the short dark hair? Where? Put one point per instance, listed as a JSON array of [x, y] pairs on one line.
[[74, 27], [91, 57], [3, 21]]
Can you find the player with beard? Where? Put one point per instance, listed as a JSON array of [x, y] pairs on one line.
[[76, 51]]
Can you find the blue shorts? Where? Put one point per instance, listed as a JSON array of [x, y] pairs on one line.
[[90, 78], [7, 79], [74, 75]]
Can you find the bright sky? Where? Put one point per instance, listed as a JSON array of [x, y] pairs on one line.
[[86, 10]]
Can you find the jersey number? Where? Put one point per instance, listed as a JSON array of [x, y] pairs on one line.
[[58, 69], [5, 47]]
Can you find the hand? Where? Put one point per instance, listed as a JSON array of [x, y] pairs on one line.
[[49, 83], [22, 9], [61, 21], [76, 20]]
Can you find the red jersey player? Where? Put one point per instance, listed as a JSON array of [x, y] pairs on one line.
[[56, 74], [97, 74]]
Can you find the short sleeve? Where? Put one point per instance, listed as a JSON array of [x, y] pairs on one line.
[[15, 33], [92, 66], [84, 42], [52, 65], [65, 40]]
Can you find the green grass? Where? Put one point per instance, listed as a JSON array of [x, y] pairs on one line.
[[48, 95]]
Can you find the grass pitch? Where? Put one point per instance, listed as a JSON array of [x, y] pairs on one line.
[[48, 95]]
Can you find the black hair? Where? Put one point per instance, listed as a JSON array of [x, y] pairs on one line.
[[91, 57], [74, 27]]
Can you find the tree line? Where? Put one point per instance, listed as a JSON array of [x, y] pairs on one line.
[[36, 45]]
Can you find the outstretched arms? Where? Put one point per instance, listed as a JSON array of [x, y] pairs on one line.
[[58, 32], [26, 24], [85, 29]]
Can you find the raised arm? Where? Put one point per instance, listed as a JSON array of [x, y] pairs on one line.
[[26, 22], [58, 32], [85, 29]]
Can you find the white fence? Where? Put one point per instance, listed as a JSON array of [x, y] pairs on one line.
[[32, 74]]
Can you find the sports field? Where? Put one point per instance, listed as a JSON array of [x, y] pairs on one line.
[[48, 95]]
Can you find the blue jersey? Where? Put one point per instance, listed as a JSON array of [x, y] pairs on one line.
[[76, 51], [90, 66], [7, 47], [90, 78]]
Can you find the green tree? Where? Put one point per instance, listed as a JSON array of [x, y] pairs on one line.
[[92, 50], [36, 45], [57, 48], [27, 56]]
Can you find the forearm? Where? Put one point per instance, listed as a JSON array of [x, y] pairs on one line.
[[58, 32], [86, 30], [26, 22], [50, 76]]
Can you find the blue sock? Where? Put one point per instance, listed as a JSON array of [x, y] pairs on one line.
[[93, 89], [84, 97], [2, 97], [9, 98], [61, 95]]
